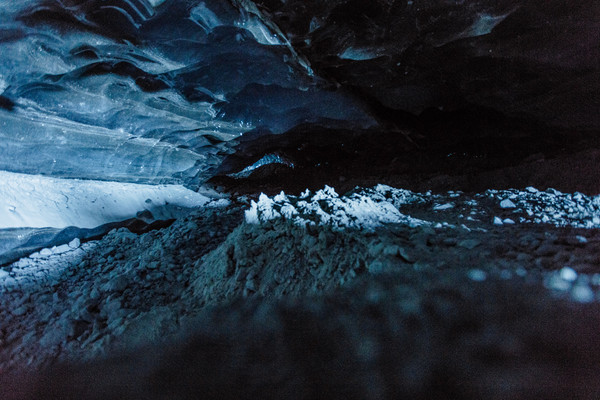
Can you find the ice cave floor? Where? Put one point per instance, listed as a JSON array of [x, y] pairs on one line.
[[378, 293]]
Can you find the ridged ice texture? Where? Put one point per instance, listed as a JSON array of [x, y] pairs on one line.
[[144, 91]]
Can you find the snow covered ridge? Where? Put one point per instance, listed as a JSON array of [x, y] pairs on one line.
[[366, 209], [374, 207]]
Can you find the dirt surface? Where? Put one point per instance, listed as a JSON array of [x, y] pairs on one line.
[[215, 306]]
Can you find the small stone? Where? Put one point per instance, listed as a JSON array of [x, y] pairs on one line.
[[508, 221], [546, 250], [251, 285], [520, 271], [507, 203], [111, 308], [63, 248], [117, 284], [449, 242], [155, 275], [505, 274], [45, 252], [568, 274], [391, 250], [555, 283], [152, 265], [75, 243], [441, 207], [469, 244], [94, 294], [581, 239], [107, 251], [376, 267], [582, 294], [498, 221], [19, 311], [376, 249], [405, 255], [477, 275]]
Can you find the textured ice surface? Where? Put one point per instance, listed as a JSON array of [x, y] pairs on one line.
[[38, 201], [120, 91], [266, 160]]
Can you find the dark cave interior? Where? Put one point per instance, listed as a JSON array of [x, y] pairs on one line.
[[357, 199]]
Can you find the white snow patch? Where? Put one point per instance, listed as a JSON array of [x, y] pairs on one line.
[[384, 204], [366, 209], [581, 239], [37, 201]]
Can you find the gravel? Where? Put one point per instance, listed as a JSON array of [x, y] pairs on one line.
[[289, 282]]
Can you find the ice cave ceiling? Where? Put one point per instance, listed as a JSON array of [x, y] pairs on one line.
[[155, 91]]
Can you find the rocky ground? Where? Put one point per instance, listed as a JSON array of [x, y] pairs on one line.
[[380, 293]]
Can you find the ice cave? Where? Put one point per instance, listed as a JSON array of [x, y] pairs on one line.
[[299, 199]]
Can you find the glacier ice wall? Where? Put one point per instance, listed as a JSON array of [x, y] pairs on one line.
[[145, 91], [102, 93]]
